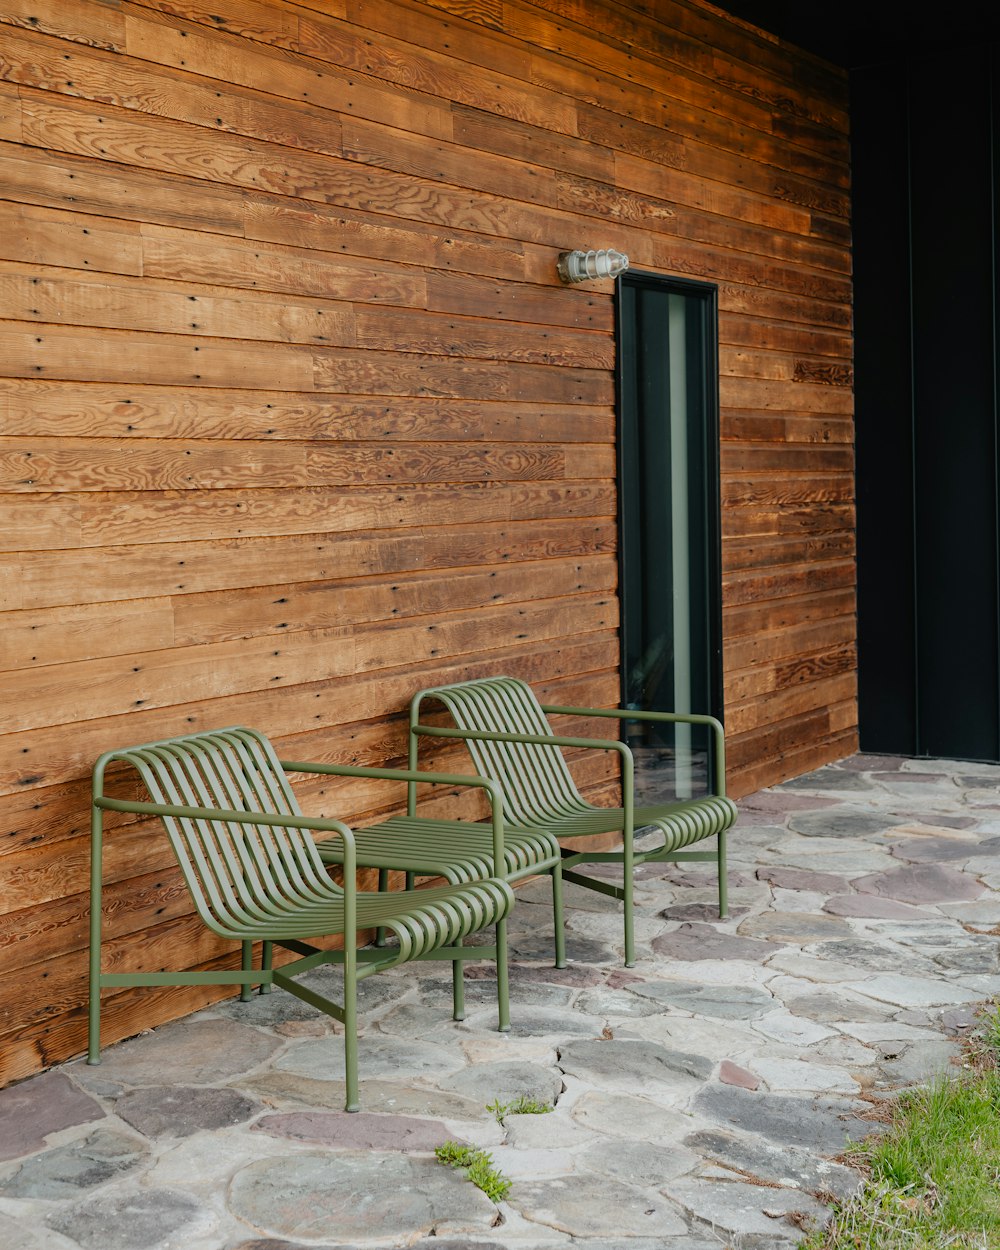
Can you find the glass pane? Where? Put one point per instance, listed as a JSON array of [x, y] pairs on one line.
[[670, 582]]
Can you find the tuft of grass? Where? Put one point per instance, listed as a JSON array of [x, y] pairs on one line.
[[479, 1168], [519, 1106], [933, 1179]]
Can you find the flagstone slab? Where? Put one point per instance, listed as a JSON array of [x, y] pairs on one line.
[[795, 1075], [828, 779], [903, 991], [783, 927], [357, 1195], [957, 1021], [981, 960], [868, 907], [822, 1125], [928, 935], [15, 1233], [640, 1162], [727, 1002], [379, 1056], [634, 1064], [732, 1074], [488, 1082], [811, 968], [206, 1051], [520, 1164], [624, 1116], [616, 1004], [741, 1209], [839, 1008], [920, 1062], [791, 1166], [844, 1052], [870, 955], [702, 941], [396, 1097], [929, 850], [700, 911], [802, 879], [180, 1110], [552, 1022], [845, 858], [584, 950], [355, 1131], [845, 822], [67, 1171], [924, 883], [595, 1206], [791, 1030], [865, 762], [707, 1037], [783, 801], [139, 1221], [42, 1105]]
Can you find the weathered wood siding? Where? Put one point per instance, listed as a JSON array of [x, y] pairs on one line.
[[296, 416]]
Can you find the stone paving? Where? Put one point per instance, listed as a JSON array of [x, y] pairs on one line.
[[700, 1099]]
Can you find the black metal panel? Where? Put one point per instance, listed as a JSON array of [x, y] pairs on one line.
[[883, 411], [951, 180], [926, 241]]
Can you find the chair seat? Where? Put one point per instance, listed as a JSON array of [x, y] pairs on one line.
[[459, 850], [421, 919], [680, 823]]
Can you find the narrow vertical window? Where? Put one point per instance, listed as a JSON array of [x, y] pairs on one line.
[[668, 479]]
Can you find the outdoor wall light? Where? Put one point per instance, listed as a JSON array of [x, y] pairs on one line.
[[582, 266]]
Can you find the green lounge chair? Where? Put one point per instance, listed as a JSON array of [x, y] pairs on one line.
[[512, 743], [457, 850], [250, 863]]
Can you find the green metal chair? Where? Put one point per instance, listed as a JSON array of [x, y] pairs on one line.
[[511, 742], [251, 865], [457, 850]]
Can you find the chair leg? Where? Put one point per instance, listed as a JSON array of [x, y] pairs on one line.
[[723, 883], [629, 916], [266, 962], [351, 1102], [558, 915], [246, 963], [458, 987], [383, 885], [503, 988]]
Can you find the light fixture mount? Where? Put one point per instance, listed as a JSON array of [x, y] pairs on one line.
[[583, 266]]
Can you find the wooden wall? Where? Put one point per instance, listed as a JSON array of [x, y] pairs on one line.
[[296, 416]]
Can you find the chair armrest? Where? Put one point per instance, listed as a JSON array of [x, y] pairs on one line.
[[237, 818], [677, 718], [412, 776]]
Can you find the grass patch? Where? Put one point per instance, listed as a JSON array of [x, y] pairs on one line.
[[933, 1179], [519, 1106], [479, 1168]]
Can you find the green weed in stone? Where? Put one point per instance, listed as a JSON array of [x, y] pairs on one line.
[[479, 1168], [519, 1106]]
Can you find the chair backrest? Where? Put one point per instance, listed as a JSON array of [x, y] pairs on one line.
[[237, 871], [533, 778]]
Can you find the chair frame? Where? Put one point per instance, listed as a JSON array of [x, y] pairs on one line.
[[457, 850], [678, 821], [430, 924]]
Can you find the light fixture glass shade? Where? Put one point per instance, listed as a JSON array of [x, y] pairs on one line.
[[583, 266]]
